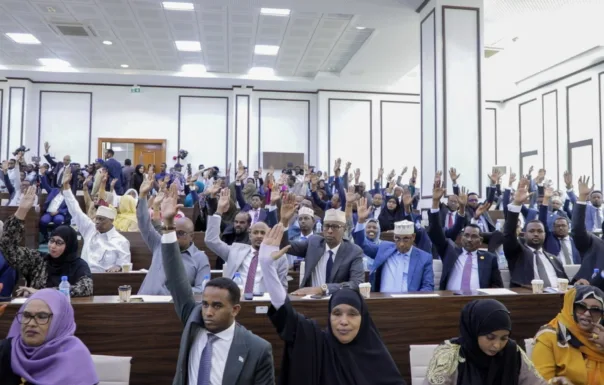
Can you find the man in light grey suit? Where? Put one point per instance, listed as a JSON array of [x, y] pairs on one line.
[[330, 260], [214, 349], [241, 258]]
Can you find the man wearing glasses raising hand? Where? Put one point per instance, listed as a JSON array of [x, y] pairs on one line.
[[330, 260]]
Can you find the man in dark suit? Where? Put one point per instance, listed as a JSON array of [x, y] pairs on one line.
[[558, 242], [114, 168], [464, 268], [527, 260], [211, 340], [56, 177], [330, 260]]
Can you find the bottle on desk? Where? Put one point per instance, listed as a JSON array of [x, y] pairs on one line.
[[595, 274], [239, 282], [204, 282], [65, 288]]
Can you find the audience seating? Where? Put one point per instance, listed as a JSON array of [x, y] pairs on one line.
[[506, 277], [419, 358], [112, 370]]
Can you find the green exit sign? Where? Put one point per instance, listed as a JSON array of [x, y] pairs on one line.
[[135, 90]]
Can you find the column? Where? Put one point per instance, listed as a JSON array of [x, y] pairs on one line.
[[451, 40], [242, 125]]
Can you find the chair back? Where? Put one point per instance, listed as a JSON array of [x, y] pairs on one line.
[[112, 370], [419, 358], [437, 266]]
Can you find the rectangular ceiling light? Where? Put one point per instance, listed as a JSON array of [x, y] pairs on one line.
[[52, 62], [275, 11], [262, 71], [23, 38], [178, 6], [188, 45], [193, 68], [266, 49]]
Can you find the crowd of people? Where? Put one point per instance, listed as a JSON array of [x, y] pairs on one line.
[[261, 226]]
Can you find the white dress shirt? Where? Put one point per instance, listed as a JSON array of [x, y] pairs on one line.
[[455, 278], [318, 274], [549, 268], [101, 251], [376, 212], [244, 269], [220, 353], [569, 247], [255, 214]]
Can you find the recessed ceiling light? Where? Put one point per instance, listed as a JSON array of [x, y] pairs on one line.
[[188, 45], [262, 71], [178, 6], [275, 11], [53, 62], [124, 66], [266, 49], [107, 42], [361, 28], [23, 38], [197, 68]]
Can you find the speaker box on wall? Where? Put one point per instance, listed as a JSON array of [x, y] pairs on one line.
[[280, 160]]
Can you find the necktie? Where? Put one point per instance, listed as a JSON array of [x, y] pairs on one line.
[[541, 270], [329, 266], [205, 364], [251, 274], [450, 224], [566, 252], [467, 274], [256, 216]]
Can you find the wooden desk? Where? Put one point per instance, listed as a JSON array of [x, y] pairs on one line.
[[150, 332]]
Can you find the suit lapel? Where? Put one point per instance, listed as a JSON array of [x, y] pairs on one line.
[[555, 263], [236, 358], [483, 269]]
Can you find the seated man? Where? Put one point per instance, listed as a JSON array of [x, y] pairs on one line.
[[214, 348], [54, 209], [465, 268], [398, 267], [105, 249], [241, 258], [330, 260], [196, 263], [559, 242]]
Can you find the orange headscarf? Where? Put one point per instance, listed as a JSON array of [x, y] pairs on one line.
[[594, 357]]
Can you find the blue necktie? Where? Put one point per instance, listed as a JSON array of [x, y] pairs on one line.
[[205, 364], [329, 266]]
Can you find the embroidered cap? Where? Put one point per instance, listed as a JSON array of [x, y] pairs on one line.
[[107, 212], [335, 215], [404, 228], [306, 211]]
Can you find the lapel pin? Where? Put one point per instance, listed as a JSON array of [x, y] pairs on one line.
[[240, 359], [482, 257]]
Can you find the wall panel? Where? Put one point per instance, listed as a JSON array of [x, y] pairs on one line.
[[242, 130], [549, 114], [16, 119], [429, 137], [489, 143], [531, 135]]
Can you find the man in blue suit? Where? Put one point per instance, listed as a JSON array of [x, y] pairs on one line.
[[398, 266], [559, 242], [114, 168], [465, 268]]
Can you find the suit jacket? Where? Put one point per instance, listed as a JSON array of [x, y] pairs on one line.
[[488, 268], [250, 358], [347, 267], [114, 168], [54, 173], [520, 258], [590, 214], [52, 193], [235, 254], [552, 244], [470, 211], [590, 246]]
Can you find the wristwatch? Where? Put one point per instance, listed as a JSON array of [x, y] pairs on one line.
[[325, 289], [168, 228]]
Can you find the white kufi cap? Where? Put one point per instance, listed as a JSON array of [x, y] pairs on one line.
[[107, 212], [306, 211], [404, 228], [335, 215]]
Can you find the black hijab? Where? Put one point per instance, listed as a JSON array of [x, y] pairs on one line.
[[388, 217], [69, 263], [315, 357], [137, 178], [479, 318]]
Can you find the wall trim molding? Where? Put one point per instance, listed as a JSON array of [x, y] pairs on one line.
[[382, 125], [527, 153], [571, 145], [307, 101], [599, 124], [236, 118], [495, 111], [555, 92], [10, 103], [427, 194]]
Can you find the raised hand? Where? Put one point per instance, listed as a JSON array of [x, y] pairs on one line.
[[439, 189], [28, 199], [512, 178], [5, 167], [348, 164], [494, 176], [521, 194], [462, 198], [483, 208], [584, 188], [147, 184], [351, 195], [288, 207], [391, 174], [540, 176], [275, 196], [159, 198], [213, 189], [380, 173], [46, 147], [454, 175], [530, 171], [407, 199], [67, 179], [104, 177], [273, 237], [357, 173], [224, 201], [568, 180], [404, 171], [438, 177], [362, 210], [169, 205], [548, 192]]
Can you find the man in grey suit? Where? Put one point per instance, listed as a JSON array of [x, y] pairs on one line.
[[214, 349], [330, 260]]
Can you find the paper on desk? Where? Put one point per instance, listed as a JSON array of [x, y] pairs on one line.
[[414, 295], [263, 297], [18, 300], [154, 298], [140, 271], [496, 291], [309, 296]]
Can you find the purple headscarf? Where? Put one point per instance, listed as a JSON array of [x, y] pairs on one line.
[[62, 358]]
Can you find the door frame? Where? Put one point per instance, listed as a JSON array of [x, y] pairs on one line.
[[161, 142]]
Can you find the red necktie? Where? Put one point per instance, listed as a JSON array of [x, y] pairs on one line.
[[450, 220], [251, 274]]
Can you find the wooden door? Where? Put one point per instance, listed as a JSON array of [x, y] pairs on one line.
[[148, 153]]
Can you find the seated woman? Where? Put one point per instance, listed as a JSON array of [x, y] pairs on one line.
[[126, 215], [484, 354], [391, 213], [349, 352], [41, 348], [566, 346], [44, 270]]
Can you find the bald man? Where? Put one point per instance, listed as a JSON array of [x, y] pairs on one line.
[[240, 257], [196, 263]]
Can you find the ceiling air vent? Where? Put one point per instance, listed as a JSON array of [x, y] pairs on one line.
[[73, 30]]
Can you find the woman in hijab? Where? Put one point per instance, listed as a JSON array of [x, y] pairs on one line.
[[44, 270], [483, 354], [571, 344], [349, 352], [393, 212], [372, 234], [41, 348], [193, 196], [126, 217], [138, 177]]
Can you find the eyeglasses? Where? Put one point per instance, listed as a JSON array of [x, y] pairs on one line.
[[332, 227], [56, 241], [181, 233], [595, 312], [40, 318]]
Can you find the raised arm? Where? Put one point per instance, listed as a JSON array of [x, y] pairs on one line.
[[288, 207], [212, 239], [581, 237], [369, 248], [511, 246], [151, 237], [81, 220]]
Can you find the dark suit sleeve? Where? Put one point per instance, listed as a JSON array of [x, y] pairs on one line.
[[177, 281], [356, 273], [454, 231], [298, 248], [271, 218], [496, 281], [580, 235], [50, 160], [265, 372], [435, 232], [511, 246], [543, 213]]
